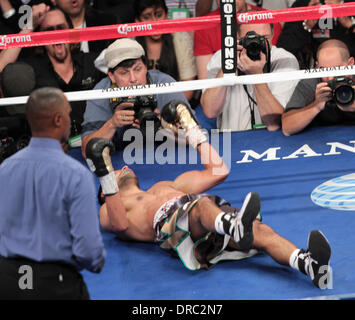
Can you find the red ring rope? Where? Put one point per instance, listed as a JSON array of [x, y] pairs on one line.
[[169, 26]]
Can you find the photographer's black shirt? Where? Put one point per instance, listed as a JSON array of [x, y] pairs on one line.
[[85, 77], [295, 39], [304, 95]]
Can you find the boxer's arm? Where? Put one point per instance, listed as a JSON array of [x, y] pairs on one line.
[[113, 216], [198, 181], [176, 114]]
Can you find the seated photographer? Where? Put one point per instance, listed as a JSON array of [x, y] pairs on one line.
[[110, 118], [326, 101], [208, 41], [245, 107], [302, 38]]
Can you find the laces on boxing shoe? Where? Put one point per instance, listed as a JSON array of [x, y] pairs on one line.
[[243, 228]]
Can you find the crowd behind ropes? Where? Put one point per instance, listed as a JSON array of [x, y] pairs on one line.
[[290, 106]]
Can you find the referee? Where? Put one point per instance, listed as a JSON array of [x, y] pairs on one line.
[[49, 227]]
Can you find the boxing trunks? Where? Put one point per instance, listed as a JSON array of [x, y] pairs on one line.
[[171, 226]]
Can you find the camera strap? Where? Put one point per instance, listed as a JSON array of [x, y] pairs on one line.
[[268, 57], [251, 100], [252, 103]]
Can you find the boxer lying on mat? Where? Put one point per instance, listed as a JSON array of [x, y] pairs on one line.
[[201, 229]]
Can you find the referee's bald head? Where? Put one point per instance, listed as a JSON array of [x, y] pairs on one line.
[[42, 106]]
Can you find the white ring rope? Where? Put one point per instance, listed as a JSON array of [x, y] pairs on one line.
[[181, 86]]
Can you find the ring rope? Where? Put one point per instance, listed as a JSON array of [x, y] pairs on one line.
[[174, 25], [182, 86]]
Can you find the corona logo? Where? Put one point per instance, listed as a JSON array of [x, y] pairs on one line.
[[5, 40], [247, 17], [125, 28]]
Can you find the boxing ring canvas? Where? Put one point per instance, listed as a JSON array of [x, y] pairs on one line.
[[284, 171]]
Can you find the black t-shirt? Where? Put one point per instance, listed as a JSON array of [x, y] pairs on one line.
[[295, 39], [304, 95], [85, 78]]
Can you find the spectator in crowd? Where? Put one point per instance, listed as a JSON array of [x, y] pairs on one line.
[[122, 9], [302, 38], [110, 118], [312, 102], [208, 41], [48, 215], [13, 12], [203, 7], [242, 107], [169, 53], [83, 16], [58, 66]]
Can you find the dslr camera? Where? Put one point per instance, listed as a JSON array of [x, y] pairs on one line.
[[254, 44], [143, 107], [342, 91]]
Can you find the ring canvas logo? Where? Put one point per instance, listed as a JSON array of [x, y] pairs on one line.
[[336, 194]]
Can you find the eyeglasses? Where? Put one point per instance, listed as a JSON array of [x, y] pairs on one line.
[[56, 27]]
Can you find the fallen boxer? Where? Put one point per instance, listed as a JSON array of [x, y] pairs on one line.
[[200, 228]]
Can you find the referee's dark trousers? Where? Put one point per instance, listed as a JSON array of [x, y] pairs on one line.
[[24, 279]]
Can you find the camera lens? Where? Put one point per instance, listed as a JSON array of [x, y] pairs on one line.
[[344, 95], [254, 44], [149, 120], [254, 50]]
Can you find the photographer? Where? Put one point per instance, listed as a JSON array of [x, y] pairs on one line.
[[110, 118], [244, 107], [302, 38], [317, 101]]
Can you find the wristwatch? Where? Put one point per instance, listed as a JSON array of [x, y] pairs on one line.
[[9, 14]]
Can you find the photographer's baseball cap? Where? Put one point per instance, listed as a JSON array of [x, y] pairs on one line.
[[123, 49]]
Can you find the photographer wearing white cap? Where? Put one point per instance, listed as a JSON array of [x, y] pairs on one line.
[[127, 67]]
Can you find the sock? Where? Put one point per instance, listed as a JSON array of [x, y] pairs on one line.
[[300, 260], [293, 261], [225, 223], [218, 224]]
